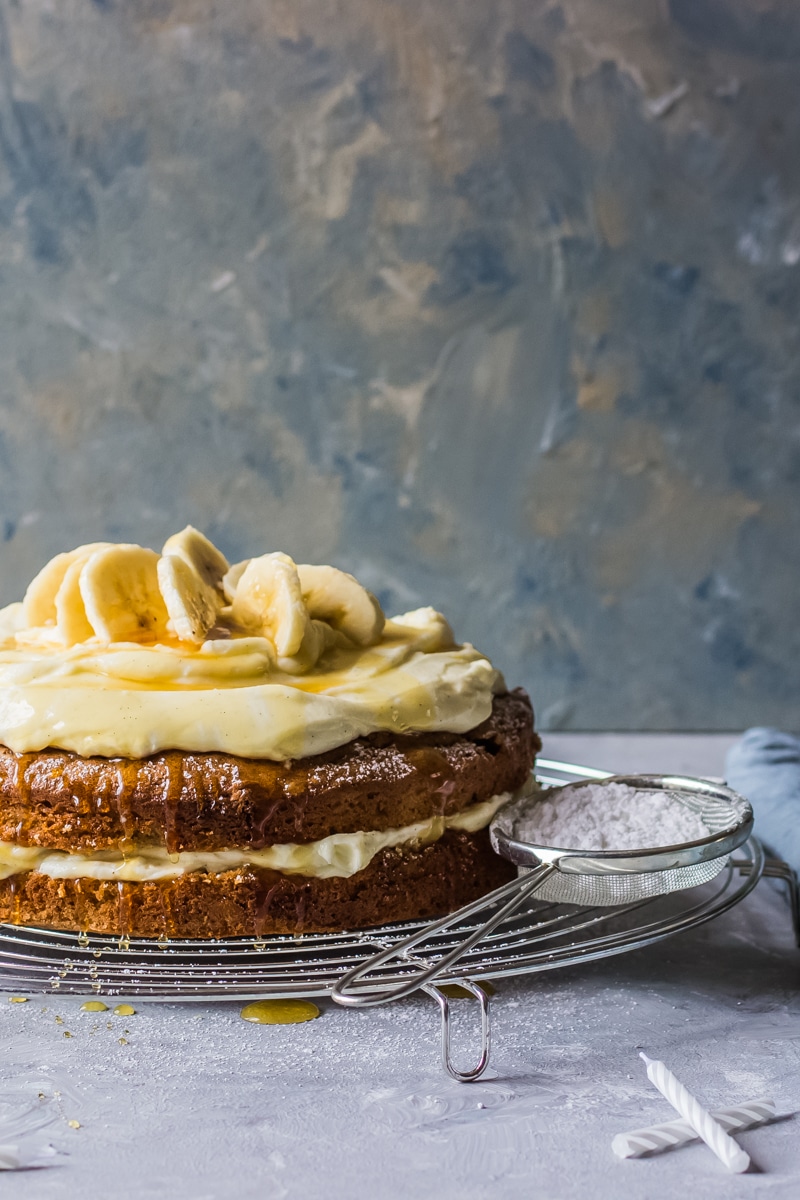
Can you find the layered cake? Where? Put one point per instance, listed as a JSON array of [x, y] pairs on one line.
[[193, 749]]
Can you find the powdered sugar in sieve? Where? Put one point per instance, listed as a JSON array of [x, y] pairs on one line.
[[609, 816], [624, 839]]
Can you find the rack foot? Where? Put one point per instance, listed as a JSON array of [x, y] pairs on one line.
[[442, 1000]]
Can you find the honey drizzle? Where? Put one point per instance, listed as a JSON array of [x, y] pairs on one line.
[[263, 901], [297, 789], [122, 798], [80, 906], [300, 903], [21, 784], [267, 797], [167, 891], [264, 816], [124, 907], [173, 791], [13, 883], [429, 761]]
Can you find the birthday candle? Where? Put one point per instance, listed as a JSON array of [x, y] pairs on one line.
[[655, 1138], [712, 1133]]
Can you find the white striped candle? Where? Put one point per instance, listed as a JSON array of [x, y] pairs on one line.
[[712, 1133], [656, 1138]]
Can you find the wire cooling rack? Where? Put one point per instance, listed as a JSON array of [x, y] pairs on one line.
[[541, 937]]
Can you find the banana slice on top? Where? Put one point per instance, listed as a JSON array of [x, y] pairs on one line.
[[200, 554], [39, 604], [318, 638], [71, 620], [120, 591], [232, 577], [334, 596], [191, 602], [269, 600]]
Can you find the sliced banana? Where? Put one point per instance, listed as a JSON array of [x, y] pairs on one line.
[[202, 555], [191, 602], [318, 638], [39, 604], [334, 596], [120, 591], [268, 600], [71, 620], [232, 577]]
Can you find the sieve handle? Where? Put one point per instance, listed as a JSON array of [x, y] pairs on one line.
[[355, 991]]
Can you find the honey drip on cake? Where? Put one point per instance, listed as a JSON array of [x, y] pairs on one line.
[[300, 903], [267, 884], [172, 795], [125, 777], [435, 765], [22, 785], [13, 883], [80, 906], [166, 896], [125, 903]]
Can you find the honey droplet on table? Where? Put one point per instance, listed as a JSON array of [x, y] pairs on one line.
[[454, 991], [279, 1012], [94, 1006], [124, 1010], [17, 999]]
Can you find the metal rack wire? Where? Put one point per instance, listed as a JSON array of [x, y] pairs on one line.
[[542, 937]]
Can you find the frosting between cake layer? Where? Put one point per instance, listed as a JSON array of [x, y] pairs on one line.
[[338, 855], [232, 695]]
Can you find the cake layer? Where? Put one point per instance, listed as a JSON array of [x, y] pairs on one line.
[[398, 884], [341, 854], [185, 801]]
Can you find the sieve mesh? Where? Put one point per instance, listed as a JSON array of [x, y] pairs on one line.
[[601, 891]]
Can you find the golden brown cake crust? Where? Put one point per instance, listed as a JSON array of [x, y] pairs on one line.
[[397, 885], [214, 801]]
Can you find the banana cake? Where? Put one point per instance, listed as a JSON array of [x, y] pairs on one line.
[[193, 749]]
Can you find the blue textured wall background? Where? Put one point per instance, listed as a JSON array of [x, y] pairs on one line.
[[494, 303]]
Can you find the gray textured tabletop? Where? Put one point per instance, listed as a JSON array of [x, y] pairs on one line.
[[190, 1101]]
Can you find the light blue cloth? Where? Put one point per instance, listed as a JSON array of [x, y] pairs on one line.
[[764, 766]]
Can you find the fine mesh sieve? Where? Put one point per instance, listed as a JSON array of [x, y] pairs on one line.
[[588, 878], [600, 878]]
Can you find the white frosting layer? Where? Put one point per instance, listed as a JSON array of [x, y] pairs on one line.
[[231, 695], [340, 855]]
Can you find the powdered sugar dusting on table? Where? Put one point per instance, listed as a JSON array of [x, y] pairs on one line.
[[609, 816]]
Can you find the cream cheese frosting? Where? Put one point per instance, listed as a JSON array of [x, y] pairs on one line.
[[131, 700], [117, 651], [338, 855]]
